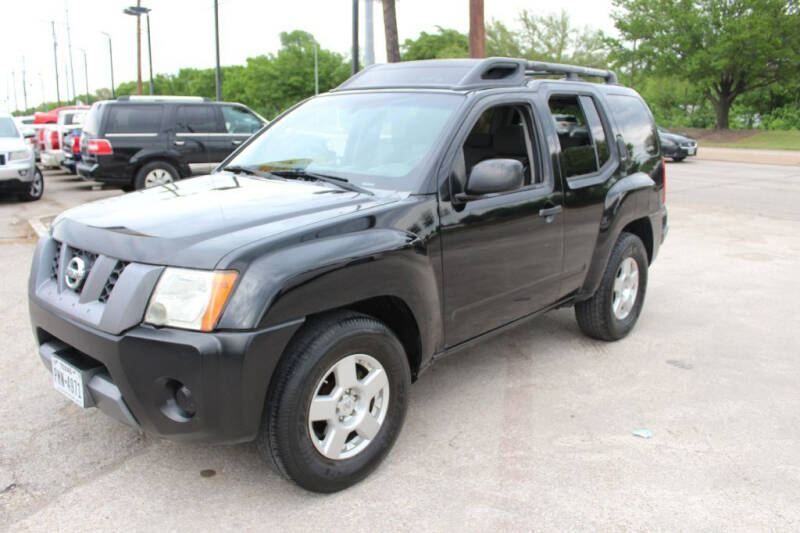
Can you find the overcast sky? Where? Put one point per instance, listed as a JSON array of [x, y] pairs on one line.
[[182, 33]]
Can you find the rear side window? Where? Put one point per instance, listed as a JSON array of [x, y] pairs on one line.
[[91, 123], [239, 120], [637, 127], [197, 119], [577, 151], [134, 118]]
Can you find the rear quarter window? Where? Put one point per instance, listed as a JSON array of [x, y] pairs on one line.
[[141, 118], [637, 127]]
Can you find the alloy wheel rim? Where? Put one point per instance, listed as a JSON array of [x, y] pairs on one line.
[[348, 407], [626, 288], [157, 176], [36, 185]]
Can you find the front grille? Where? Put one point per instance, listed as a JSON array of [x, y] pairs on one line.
[[55, 261], [112, 280]]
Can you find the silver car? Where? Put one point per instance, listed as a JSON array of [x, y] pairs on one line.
[[18, 172]]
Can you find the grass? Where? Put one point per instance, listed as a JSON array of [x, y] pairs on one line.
[[765, 140]]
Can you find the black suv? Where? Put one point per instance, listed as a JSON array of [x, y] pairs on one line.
[[140, 142], [292, 296]]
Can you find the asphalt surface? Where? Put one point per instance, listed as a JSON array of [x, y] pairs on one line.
[[531, 430]]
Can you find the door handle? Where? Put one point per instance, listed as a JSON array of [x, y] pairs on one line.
[[178, 143], [548, 212], [236, 142]]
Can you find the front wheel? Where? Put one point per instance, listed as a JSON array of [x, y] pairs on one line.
[[36, 188], [612, 312], [337, 402]]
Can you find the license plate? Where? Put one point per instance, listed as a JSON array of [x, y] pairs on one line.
[[68, 381], [692, 151]]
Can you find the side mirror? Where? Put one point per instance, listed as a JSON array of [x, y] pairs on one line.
[[492, 176]]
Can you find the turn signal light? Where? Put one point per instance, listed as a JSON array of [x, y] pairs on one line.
[[99, 147], [54, 140]]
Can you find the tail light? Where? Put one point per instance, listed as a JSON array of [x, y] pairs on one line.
[[663, 181], [76, 144], [54, 140], [99, 147], [41, 139]]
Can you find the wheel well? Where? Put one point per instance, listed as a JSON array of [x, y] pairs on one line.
[[394, 312], [153, 158], [642, 228]]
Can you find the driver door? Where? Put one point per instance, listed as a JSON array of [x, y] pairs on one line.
[[502, 254]]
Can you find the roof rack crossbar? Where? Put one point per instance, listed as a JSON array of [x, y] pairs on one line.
[[572, 72]]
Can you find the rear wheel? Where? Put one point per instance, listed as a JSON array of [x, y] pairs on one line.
[[614, 309], [155, 173], [337, 402], [35, 189]]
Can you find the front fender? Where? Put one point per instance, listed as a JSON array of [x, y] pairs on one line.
[[332, 272], [626, 201]]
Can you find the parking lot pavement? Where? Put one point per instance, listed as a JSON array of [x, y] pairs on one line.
[[530, 430]]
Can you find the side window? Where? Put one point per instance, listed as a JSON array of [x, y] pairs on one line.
[[596, 127], [500, 132], [197, 119], [140, 118], [238, 120], [577, 152], [636, 125]]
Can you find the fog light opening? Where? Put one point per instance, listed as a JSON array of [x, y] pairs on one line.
[[179, 404], [185, 401], [23, 172]]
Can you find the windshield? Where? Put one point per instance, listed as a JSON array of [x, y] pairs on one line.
[[374, 140], [8, 128]]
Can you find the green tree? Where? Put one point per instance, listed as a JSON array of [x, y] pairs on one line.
[[445, 43], [726, 47]]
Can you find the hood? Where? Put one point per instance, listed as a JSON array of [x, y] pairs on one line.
[[195, 222], [10, 144], [674, 137]]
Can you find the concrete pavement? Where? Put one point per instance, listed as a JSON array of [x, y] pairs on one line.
[[528, 431]]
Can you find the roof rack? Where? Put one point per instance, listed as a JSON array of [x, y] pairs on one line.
[[572, 72], [157, 97]]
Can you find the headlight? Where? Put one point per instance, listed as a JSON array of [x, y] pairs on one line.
[[19, 154], [190, 299]]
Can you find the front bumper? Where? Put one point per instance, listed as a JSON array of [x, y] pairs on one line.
[[132, 376], [17, 173], [52, 158], [69, 163]]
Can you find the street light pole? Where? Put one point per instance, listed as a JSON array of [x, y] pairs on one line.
[[69, 49], [55, 61], [111, 63], [218, 74], [355, 36], [316, 68], [24, 83], [86, 76], [150, 53]]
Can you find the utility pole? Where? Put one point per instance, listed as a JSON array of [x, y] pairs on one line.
[[369, 35], [150, 54], [55, 61], [69, 48], [355, 36], [14, 79], [111, 62], [477, 30], [316, 68], [86, 76], [24, 88], [138, 51], [218, 74]]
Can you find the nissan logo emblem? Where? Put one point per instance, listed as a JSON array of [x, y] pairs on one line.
[[76, 271]]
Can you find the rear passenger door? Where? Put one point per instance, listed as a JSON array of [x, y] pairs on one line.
[[195, 128]]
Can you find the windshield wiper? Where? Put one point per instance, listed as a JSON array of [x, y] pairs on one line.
[[238, 169], [335, 180]]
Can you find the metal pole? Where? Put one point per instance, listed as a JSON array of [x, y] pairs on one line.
[[316, 69], [44, 95], [477, 29], [150, 55], [218, 75], [355, 36], [14, 77], [55, 61], [24, 83], [86, 74], [111, 63], [69, 48], [369, 34]]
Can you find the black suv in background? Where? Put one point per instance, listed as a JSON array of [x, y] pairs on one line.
[[140, 142]]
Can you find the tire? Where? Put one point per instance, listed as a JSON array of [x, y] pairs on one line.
[[155, 173], [678, 159], [603, 316], [292, 443], [36, 189]]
